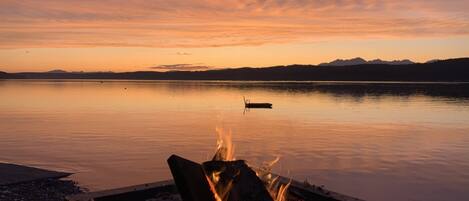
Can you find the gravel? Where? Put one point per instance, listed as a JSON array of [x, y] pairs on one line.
[[39, 190]]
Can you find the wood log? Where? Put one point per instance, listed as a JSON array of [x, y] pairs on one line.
[[237, 181], [190, 180]]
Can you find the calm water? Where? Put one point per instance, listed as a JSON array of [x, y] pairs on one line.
[[375, 141]]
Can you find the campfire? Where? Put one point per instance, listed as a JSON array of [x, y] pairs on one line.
[[224, 178]]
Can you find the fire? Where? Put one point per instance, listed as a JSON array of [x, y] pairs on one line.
[[225, 152], [225, 148], [282, 192], [220, 193], [277, 192]]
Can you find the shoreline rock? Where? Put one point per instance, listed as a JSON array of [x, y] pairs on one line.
[[23, 183], [40, 190]]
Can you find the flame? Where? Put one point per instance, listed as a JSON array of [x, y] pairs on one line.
[[225, 148], [282, 192], [264, 173], [278, 192], [225, 152], [220, 193]]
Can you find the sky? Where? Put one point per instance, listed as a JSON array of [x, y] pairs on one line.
[[136, 35]]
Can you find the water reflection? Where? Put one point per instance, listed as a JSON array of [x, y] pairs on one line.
[[369, 140]]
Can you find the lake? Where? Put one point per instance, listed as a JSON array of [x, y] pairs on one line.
[[376, 141]]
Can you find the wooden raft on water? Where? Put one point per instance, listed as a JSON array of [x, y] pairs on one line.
[[248, 104]]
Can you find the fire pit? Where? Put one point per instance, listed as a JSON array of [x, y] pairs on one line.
[[217, 181], [223, 178], [226, 179]]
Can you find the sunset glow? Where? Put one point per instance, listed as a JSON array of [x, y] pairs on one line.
[[118, 35], [234, 100]]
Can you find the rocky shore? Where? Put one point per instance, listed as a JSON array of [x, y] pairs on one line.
[[39, 190], [24, 183]]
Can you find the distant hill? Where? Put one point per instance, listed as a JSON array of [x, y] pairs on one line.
[[360, 61], [433, 61], [4, 75], [444, 70]]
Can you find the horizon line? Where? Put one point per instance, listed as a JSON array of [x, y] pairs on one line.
[[323, 64]]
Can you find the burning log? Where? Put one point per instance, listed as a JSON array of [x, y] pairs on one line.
[[217, 181], [190, 180], [235, 181], [223, 178]]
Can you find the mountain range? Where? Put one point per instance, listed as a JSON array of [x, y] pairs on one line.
[[360, 61]]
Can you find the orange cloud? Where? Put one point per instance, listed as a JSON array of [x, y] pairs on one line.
[[180, 67], [215, 23]]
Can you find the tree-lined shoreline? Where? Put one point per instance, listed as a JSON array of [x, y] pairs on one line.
[[451, 70]]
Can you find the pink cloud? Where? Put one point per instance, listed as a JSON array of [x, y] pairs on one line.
[[213, 23]]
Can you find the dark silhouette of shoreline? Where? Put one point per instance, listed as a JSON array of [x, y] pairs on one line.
[[451, 70]]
